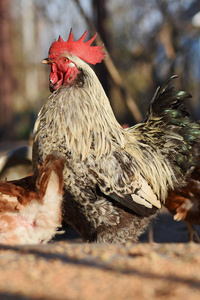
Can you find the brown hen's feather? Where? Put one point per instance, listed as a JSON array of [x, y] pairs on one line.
[[184, 204], [30, 208], [115, 179]]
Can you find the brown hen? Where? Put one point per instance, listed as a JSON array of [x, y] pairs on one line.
[[184, 204], [30, 208]]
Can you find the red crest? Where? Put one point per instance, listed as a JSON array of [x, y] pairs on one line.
[[81, 49]]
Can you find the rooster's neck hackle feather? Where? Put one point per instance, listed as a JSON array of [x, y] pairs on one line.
[[88, 106]]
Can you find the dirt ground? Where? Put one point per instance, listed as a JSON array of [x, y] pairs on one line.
[[168, 268], [64, 270]]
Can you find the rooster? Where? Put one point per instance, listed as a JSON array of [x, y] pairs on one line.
[[184, 204], [115, 179], [30, 208]]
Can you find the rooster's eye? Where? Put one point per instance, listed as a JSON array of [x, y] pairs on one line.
[[65, 59]]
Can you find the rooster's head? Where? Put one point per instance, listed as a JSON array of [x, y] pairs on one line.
[[60, 58]]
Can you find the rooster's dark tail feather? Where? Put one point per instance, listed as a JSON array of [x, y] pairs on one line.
[[172, 130]]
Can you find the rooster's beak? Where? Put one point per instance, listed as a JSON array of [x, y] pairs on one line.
[[45, 61]]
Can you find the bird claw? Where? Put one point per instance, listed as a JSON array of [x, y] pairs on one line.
[[193, 234]]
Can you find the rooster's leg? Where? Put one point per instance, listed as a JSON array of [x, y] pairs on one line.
[[150, 233], [193, 234]]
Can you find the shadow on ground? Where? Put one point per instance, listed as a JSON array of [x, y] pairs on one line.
[[163, 229]]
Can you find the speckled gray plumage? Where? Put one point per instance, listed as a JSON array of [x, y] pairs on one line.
[[108, 169]]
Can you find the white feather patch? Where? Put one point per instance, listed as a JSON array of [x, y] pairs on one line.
[[147, 193], [141, 201], [146, 196]]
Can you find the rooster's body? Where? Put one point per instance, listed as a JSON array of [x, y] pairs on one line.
[[115, 179], [30, 208]]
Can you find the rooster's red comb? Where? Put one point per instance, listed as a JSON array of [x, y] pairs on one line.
[[84, 50]]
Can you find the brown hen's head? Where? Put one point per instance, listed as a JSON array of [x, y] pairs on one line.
[[63, 69]]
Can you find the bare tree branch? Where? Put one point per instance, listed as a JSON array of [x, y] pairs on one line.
[[132, 106]]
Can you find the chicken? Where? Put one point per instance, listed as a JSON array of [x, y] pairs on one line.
[[115, 179], [184, 204], [30, 208]]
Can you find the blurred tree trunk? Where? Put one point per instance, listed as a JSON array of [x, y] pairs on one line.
[[109, 65], [6, 82], [100, 18]]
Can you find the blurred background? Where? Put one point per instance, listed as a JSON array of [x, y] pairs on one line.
[[148, 41]]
